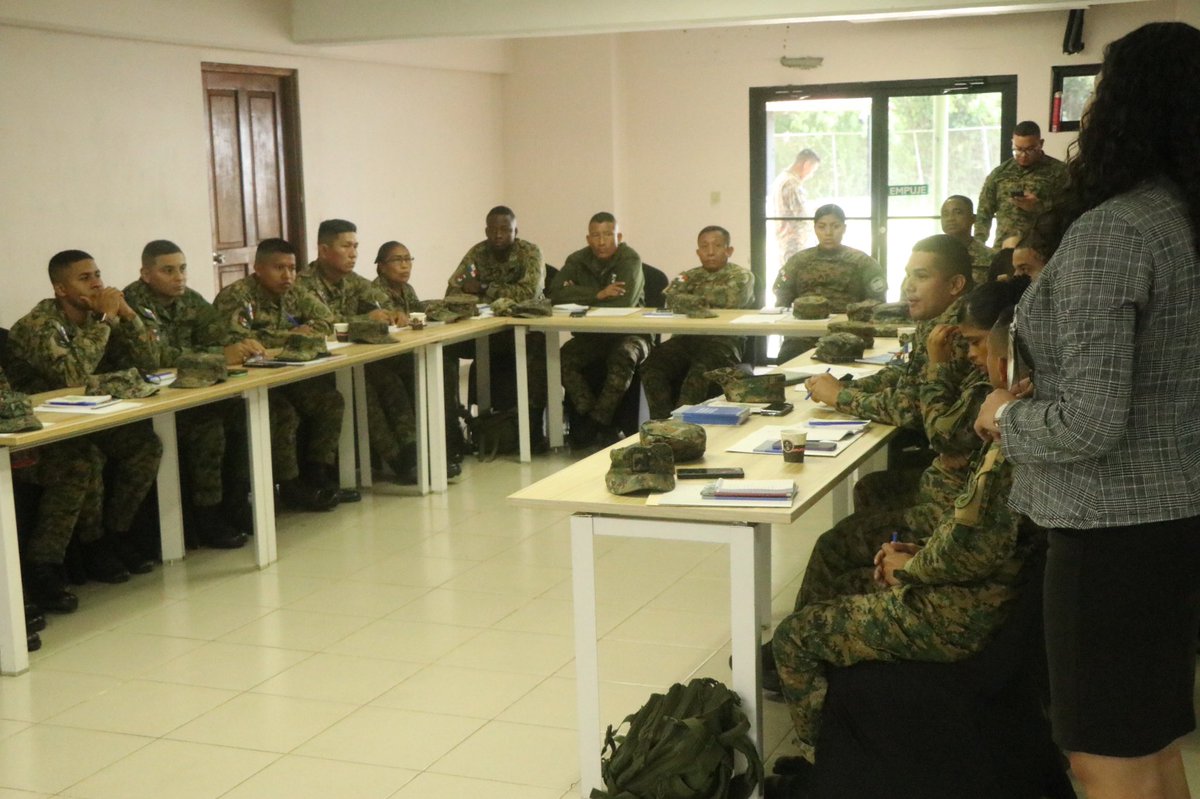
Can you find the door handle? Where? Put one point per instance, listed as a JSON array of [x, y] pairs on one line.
[[218, 258]]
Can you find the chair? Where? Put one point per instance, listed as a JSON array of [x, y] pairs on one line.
[[551, 271], [656, 283]]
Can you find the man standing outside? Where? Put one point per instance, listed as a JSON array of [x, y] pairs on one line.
[[268, 306], [1026, 185], [682, 360], [791, 204], [605, 273], [503, 265], [182, 321]]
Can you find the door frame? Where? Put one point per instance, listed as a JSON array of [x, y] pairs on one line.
[[293, 172], [879, 92]]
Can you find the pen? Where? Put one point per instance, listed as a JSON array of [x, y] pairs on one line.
[[895, 538], [293, 321], [819, 423], [808, 396]]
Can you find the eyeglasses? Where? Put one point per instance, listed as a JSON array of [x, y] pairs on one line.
[[1026, 150], [399, 259]]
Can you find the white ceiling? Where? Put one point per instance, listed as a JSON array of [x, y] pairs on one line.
[[322, 21]]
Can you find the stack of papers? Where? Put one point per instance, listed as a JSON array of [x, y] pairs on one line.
[[826, 439], [778, 490], [82, 401], [713, 414], [567, 308]]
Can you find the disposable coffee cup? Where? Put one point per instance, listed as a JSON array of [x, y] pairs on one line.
[[793, 442], [341, 331], [416, 320]]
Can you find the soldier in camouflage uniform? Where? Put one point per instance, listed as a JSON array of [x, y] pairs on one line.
[[391, 420], [85, 329], [1026, 185], [268, 306], [182, 321], [607, 273], [503, 265], [791, 203], [686, 358], [958, 218], [840, 274], [937, 596]]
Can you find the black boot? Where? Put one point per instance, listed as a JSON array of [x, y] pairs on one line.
[[33, 642], [47, 586], [298, 494], [328, 476], [212, 529], [538, 443], [104, 565], [35, 620], [125, 548]]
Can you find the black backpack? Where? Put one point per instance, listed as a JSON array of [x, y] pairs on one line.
[[681, 745]]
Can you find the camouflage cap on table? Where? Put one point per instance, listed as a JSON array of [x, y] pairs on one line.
[[503, 306], [466, 304], [863, 330], [641, 468], [441, 311], [861, 311], [741, 387], [536, 306], [126, 384], [369, 331], [695, 306], [894, 312], [886, 330], [301, 347], [686, 440], [810, 306], [16, 413], [200, 370], [839, 348]]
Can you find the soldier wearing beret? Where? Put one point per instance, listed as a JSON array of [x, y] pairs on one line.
[[88, 328], [306, 416], [673, 373], [841, 274]]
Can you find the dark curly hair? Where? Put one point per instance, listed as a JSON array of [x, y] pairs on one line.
[[1143, 121]]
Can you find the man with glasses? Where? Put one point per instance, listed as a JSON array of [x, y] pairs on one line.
[[1016, 192]]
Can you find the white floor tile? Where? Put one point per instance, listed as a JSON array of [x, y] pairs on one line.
[[118, 654], [296, 629], [442, 786], [459, 692], [173, 768], [384, 736], [415, 642], [263, 722], [141, 707], [221, 665], [41, 693], [201, 618], [459, 608], [338, 678], [542, 756], [50, 759], [502, 650], [293, 777]]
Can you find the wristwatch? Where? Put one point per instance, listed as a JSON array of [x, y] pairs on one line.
[[1000, 412]]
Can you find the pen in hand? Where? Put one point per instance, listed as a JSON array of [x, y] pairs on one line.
[[808, 396]]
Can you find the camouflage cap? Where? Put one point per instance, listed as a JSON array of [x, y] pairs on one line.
[[686, 440], [301, 347], [886, 330], [839, 348], [741, 387], [16, 413], [369, 331], [894, 312], [440, 311], [538, 306], [810, 306], [199, 370], [863, 330], [695, 306], [503, 306], [641, 468], [465, 304], [861, 311], [126, 384]]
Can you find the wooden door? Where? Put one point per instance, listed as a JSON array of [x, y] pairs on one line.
[[254, 168]]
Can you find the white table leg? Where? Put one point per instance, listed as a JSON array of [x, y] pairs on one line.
[[170, 502], [362, 425], [587, 669], [554, 390], [14, 652], [523, 394], [262, 477], [346, 458], [431, 448], [762, 561], [744, 577], [483, 373]]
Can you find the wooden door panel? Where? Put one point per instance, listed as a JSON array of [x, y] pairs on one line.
[[264, 124], [229, 228]]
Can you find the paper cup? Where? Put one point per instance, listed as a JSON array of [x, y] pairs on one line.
[[793, 442], [416, 320], [341, 331]]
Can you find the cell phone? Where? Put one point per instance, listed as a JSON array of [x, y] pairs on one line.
[[700, 474], [821, 446], [777, 409], [1017, 193], [578, 314]]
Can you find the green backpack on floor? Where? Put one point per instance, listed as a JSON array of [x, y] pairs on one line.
[[681, 745]]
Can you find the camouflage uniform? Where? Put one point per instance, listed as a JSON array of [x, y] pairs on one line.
[[981, 260], [582, 276], [841, 276], [391, 420], [1047, 179], [250, 311], [47, 351], [687, 358], [792, 233], [951, 598], [191, 324], [400, 298], [520, 277]]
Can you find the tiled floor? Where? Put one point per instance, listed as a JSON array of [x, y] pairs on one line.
[[407, 647]]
